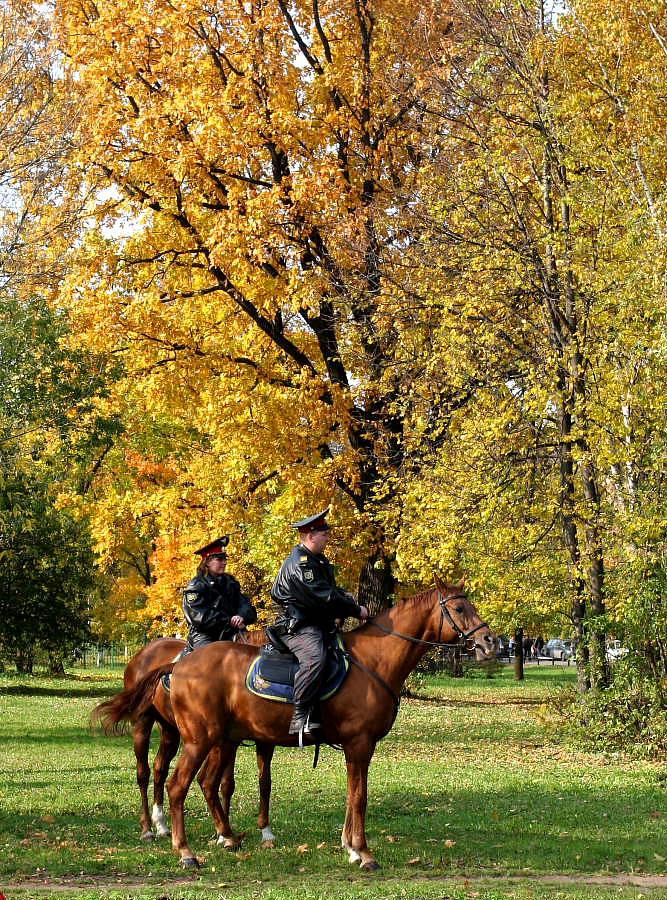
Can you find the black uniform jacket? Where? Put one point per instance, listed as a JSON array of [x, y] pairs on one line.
[[305, 593], [209, 603]]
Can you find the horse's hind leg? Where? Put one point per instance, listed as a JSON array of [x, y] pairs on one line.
[[264, 757], [178, 785], [228, 786], [141, 736], [169, 741], [219, 766]]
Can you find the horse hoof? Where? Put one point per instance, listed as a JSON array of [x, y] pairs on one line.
[[164, 832], [370, 866], [148, 836], [228, 843], [190, 862]]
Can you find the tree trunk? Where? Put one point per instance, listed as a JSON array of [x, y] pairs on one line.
[[24, 660], [376, 584], [518, 654], [56, 664]]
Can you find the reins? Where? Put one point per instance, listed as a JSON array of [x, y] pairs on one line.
[[444, 614]]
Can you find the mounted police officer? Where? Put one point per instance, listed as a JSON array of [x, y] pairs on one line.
[[213, 605], [309, 602]]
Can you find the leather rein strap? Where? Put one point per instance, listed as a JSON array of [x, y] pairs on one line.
[[444, 614]]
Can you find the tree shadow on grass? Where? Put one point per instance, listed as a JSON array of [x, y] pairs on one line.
[[563, 829], [445, 830], [474, 704], [78, 689], [76, 737]]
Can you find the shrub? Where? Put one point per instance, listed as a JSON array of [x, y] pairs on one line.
[[630, 715]]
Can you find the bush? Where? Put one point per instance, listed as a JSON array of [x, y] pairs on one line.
[[630, 715]]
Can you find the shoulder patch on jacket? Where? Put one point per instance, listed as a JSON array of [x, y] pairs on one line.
[[191, 595], [308, 575], [303, 558]]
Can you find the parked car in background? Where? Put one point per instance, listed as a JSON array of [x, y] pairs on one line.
[[615, 650], [557, 648]]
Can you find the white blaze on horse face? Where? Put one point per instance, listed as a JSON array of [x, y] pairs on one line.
[[158, 819]]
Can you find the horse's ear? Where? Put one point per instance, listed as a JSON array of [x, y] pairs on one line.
[[439, 583], [461, 585]]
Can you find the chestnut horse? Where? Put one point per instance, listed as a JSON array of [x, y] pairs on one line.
[[215, 712], [159, 653]]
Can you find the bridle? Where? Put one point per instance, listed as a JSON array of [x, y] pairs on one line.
[[465, 636]]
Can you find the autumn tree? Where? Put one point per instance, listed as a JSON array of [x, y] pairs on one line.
[[244, 161], [545, 264]]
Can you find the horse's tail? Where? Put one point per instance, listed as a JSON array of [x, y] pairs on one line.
[[114, 715]]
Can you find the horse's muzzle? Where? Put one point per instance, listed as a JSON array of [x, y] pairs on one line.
[[485, 646]]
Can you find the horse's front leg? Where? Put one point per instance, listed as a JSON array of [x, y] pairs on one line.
[[178, 785], [219, 766], [141, 734], [264, 757], [358, 757], [169, 741]]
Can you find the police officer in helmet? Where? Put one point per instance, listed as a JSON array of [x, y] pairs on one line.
[[213, 605], [309, 602]]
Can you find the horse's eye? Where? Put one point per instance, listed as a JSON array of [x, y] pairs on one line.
[[459, 609]]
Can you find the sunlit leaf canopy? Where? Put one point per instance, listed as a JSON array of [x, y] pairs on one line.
[[400, 259]]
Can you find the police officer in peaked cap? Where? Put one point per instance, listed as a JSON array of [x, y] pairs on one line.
[[309, 602], [213, 605]]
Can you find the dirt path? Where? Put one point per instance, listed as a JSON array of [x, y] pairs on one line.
[[104, 883]]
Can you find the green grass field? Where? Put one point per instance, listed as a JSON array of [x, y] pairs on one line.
[[470, 796]]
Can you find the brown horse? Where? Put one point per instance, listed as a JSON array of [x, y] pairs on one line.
[[214, 711], [154, 655]]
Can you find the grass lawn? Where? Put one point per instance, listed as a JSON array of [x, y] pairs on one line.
[[469, 796]]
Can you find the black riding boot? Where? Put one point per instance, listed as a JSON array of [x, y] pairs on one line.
[[299, 718], [304, 719]]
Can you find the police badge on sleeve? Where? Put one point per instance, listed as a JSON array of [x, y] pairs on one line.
[[308, 575]]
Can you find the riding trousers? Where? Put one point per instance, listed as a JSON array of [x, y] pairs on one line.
[[308, 647]]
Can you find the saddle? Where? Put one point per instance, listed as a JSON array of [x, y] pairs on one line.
[[271, 675]]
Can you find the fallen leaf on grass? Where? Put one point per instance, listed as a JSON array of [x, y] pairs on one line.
[[49, 819], [392, 838], [658, 857], [449, 843], [246, 855], [267, 845], [321, 845], [302, 848], [411, 862]]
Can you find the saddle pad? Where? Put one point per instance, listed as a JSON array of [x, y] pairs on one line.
[[263, 671]]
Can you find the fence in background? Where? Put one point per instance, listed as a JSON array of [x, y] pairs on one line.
[[104, 656]]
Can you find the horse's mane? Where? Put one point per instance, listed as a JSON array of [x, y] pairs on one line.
[[404, 602]]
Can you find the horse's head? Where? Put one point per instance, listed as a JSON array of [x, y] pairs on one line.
[[460, 621]]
